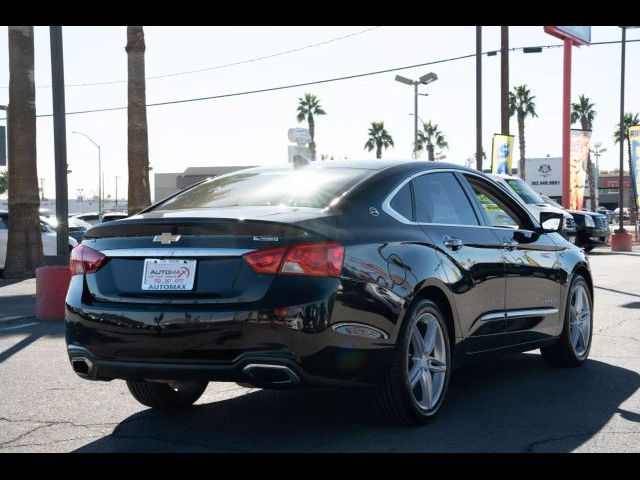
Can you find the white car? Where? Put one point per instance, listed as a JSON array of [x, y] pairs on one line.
[[49, 245], [536, 204]]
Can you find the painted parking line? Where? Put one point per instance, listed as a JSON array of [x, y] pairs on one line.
[[15, 327]]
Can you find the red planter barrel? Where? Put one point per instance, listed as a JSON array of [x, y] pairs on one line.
[[52, 283]]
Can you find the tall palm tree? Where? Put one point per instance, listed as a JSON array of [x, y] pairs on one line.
[[4, 181], [431, 137], [630, 119], [521, 104], [308, 106], [138, 143], [378, 138], [24, 244], [584, 113]]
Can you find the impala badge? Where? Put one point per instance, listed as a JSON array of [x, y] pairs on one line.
[[166, 238]]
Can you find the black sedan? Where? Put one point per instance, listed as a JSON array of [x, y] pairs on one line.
[[370, 274], [592, 229]]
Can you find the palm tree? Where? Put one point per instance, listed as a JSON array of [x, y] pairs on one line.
[[308, 106], [138, 142], [521, 104], [431, 137], [24, 244], [4, 181], [378, 138], [584, 113], [630, 119]]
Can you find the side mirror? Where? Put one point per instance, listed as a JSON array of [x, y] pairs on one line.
[[551, 221]]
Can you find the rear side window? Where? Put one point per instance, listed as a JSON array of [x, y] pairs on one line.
[[440, 199], [306, 187], [402, 203]]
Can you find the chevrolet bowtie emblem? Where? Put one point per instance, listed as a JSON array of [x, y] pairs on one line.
[[166, 238]]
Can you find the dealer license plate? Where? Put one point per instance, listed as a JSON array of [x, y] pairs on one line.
[[168, 275]]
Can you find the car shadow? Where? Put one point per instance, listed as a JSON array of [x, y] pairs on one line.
[[514, 403]]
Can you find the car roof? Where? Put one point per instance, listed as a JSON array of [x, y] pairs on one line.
[[375, 165]]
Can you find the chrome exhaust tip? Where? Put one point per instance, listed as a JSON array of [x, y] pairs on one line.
[[271, 374], [82, 366]]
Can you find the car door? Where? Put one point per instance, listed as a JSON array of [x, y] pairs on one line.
[[4, 231], [471, 256], [532, 296]]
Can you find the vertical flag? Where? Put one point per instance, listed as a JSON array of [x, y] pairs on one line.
[[501, 153], [3, 147], [634, 140], [580, 140]]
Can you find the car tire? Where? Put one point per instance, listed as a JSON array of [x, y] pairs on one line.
[[573, 346], [166, 395], [395, 400]]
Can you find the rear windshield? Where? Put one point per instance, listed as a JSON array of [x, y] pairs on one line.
[[307, 187], [524, 191]]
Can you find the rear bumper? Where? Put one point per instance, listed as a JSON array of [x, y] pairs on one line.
[[191, 342]]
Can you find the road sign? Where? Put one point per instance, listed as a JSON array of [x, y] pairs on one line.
[[299, 135]]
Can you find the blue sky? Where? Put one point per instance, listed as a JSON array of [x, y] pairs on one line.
[[252, 129]]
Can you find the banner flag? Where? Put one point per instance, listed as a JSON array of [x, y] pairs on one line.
[[580, 140], [634, 140], [501, 153]]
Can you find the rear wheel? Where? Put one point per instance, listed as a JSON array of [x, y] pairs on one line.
[[414, 389], [172, 395], [572, 348]]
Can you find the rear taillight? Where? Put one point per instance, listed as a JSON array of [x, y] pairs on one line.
[[318, 259], [85, 260]]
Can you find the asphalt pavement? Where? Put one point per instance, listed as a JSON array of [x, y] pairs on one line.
[[507, 404]]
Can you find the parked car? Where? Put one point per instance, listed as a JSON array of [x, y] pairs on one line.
[[91, 218], [375, 274], [625, 214], [538, 204], [111, 216], [592, 229], [77, 227], [606, 212], [49, 242]]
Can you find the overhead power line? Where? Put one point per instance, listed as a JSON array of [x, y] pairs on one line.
[[316, 82], [226, 65]]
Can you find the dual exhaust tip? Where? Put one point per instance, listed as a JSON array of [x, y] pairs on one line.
[[262, 373]]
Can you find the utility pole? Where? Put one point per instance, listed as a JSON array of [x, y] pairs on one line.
[[504, 80]]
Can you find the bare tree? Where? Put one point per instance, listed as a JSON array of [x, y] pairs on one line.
[[138, 142], [24, 246]]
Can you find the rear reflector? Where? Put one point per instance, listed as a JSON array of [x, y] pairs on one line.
[[85, 260], [317, 259]]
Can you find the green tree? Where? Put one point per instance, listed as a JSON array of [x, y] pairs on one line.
[[630, 119], [24, 244], [584, 113], [308, 106], [4, 181], [521, 104], [431, 137], [137, 136], [378, 138]]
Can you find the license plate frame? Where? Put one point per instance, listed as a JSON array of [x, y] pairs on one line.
[[168, 275]]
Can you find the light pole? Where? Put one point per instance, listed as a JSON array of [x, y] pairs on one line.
[[99, 170], [597, 151], [424, 80], [117, 177]]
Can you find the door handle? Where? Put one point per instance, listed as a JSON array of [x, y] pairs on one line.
[[452, 243], [510, 244]]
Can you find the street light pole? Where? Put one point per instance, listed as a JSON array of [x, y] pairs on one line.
[[424, 80], [117, 177], [99, 170]]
